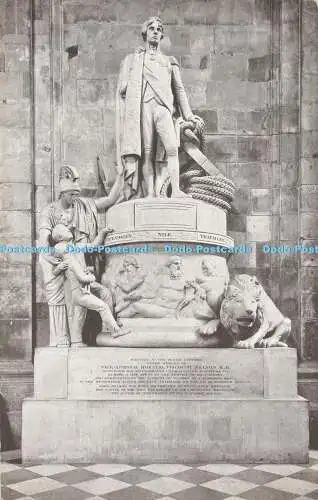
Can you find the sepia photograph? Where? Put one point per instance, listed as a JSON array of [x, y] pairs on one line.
[[159, 249]]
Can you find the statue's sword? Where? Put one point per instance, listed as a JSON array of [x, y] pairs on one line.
[[191, 147]]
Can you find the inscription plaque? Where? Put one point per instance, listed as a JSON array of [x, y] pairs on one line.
[[169, 236], [162, 376], [165, 215]]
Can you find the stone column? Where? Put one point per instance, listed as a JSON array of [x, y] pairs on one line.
[[308, 199], [309, 179], [289, 143]]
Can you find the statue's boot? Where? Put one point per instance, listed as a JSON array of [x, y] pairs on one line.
[[62, 341], [78, 319]]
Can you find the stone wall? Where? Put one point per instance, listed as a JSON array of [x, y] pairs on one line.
[[16, 221]]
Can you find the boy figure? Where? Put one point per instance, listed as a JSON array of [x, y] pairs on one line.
[[80, 280]]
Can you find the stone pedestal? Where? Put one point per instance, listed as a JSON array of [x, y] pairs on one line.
[[187, 405], [167, 267], [167, 220]]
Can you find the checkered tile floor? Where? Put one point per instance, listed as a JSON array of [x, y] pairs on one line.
[[160, 482]]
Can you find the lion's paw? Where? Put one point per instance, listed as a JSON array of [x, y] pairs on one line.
[[208, 329], [245, 344], [270, 342]]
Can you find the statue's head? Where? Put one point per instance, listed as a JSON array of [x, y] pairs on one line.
[[152, 30], [175, 267], [69, 183], [241, 306], [208, 268], [130, 264]]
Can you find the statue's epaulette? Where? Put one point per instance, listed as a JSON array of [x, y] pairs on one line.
[[174, 61]]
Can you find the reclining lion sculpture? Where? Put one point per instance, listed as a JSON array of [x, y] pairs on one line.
[[248, 317]]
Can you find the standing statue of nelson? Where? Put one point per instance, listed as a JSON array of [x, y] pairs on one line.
[[150, 93]]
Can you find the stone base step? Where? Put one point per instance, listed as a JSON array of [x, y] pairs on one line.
[[136, 432]]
